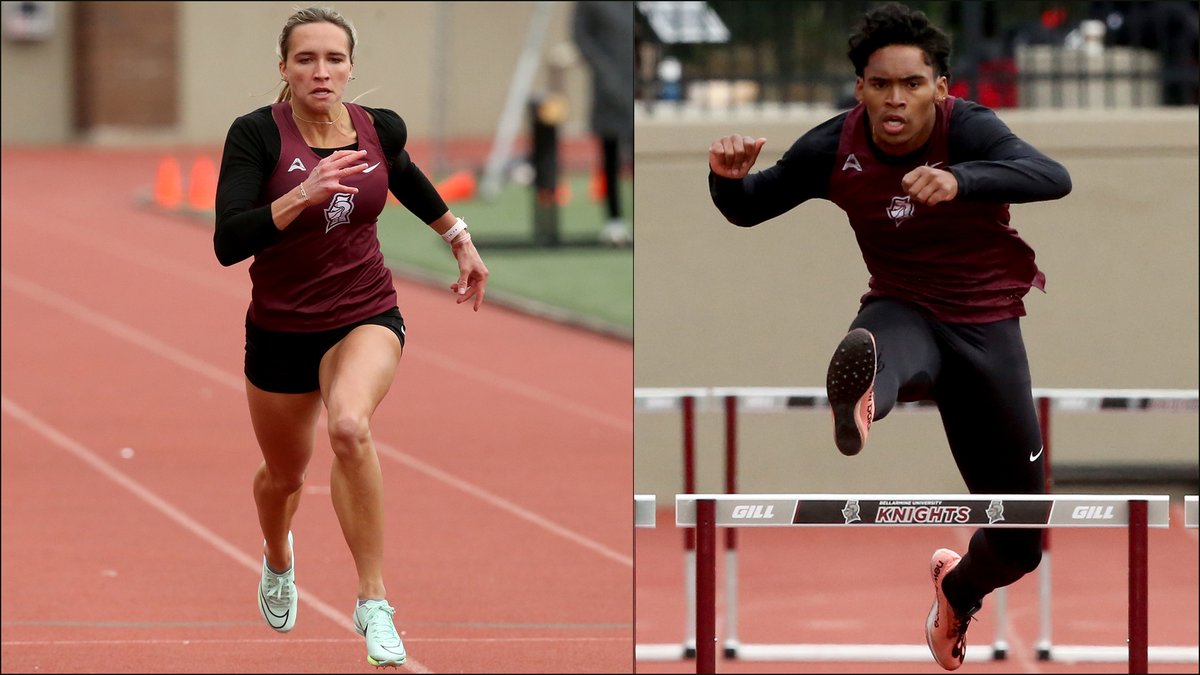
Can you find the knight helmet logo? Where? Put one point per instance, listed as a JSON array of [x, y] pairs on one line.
[[995, 511], [851, 511], [338, 212]]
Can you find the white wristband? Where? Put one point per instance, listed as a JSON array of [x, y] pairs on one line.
[[451, 233]]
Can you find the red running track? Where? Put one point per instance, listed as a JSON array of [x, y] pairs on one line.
[[506, 445]]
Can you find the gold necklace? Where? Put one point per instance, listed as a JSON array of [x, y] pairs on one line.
[[335, 121]]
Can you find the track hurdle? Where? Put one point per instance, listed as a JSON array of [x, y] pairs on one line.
[[703, 513], [683, 400], [732, 400]]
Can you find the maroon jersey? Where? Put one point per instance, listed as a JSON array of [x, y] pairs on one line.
[[959, 259], [326, 270]]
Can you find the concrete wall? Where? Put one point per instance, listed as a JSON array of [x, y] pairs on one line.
[[718, 305], [35, 89], [228, 67]]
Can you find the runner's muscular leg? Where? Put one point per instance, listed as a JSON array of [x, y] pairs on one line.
[[285, 425], [991, 424], [355, 376]]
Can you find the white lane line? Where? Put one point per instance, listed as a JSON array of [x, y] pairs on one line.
[[236, 382], [155, 262], [531, 392], [170, 511], [501, 503], [290, 641]]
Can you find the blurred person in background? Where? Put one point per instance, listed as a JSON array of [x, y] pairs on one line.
[[603, 32], [301, 186], [926, 180]]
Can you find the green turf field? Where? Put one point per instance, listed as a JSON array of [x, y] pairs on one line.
[[591, 286]]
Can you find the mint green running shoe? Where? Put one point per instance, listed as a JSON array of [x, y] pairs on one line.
[[373, 620], [277, 595]]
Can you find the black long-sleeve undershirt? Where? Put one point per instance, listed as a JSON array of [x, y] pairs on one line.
[[990, 163], [244, 225]]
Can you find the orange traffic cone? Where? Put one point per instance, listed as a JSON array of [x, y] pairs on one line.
[[598, 187], [202, 185], [168, 184], [457, 187]]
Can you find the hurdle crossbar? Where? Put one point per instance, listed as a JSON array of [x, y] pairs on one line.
[[705, 512], [731, 400]]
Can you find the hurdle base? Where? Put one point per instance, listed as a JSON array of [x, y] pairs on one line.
[[876, 653], [663, 652], [1119, 653], [731, 649]]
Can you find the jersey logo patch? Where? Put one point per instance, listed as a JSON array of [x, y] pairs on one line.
[[339, 210], [900, 210], [297, 165], [852, 163]]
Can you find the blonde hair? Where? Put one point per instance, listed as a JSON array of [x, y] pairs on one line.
[[305, 16]]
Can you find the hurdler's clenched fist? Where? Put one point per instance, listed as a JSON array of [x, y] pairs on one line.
[[732, 156]]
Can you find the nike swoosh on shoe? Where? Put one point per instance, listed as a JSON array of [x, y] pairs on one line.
[[262, 601]]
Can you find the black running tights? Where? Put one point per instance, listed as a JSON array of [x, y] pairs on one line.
[[978, 374]]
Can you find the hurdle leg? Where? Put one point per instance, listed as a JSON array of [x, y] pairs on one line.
[[731, 575], [1139, 661], [689, 583], [731, 568], [706, 587], [1044, 620], [999, 639], [689, 536]]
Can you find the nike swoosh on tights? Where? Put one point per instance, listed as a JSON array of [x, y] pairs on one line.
[[371, 168], [1034, 455]]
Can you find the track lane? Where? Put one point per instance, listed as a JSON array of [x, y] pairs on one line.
[[489, 620]]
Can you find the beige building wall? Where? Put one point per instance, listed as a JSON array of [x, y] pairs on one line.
[[228, 67], [35, 91], [718, 305]]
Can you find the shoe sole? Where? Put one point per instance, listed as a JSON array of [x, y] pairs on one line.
[[850, 384], [938, 597], [391, 663]]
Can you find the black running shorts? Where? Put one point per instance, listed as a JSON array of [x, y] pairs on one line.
[[289, 363]]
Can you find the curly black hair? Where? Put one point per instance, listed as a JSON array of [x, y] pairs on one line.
[[895, 24]]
